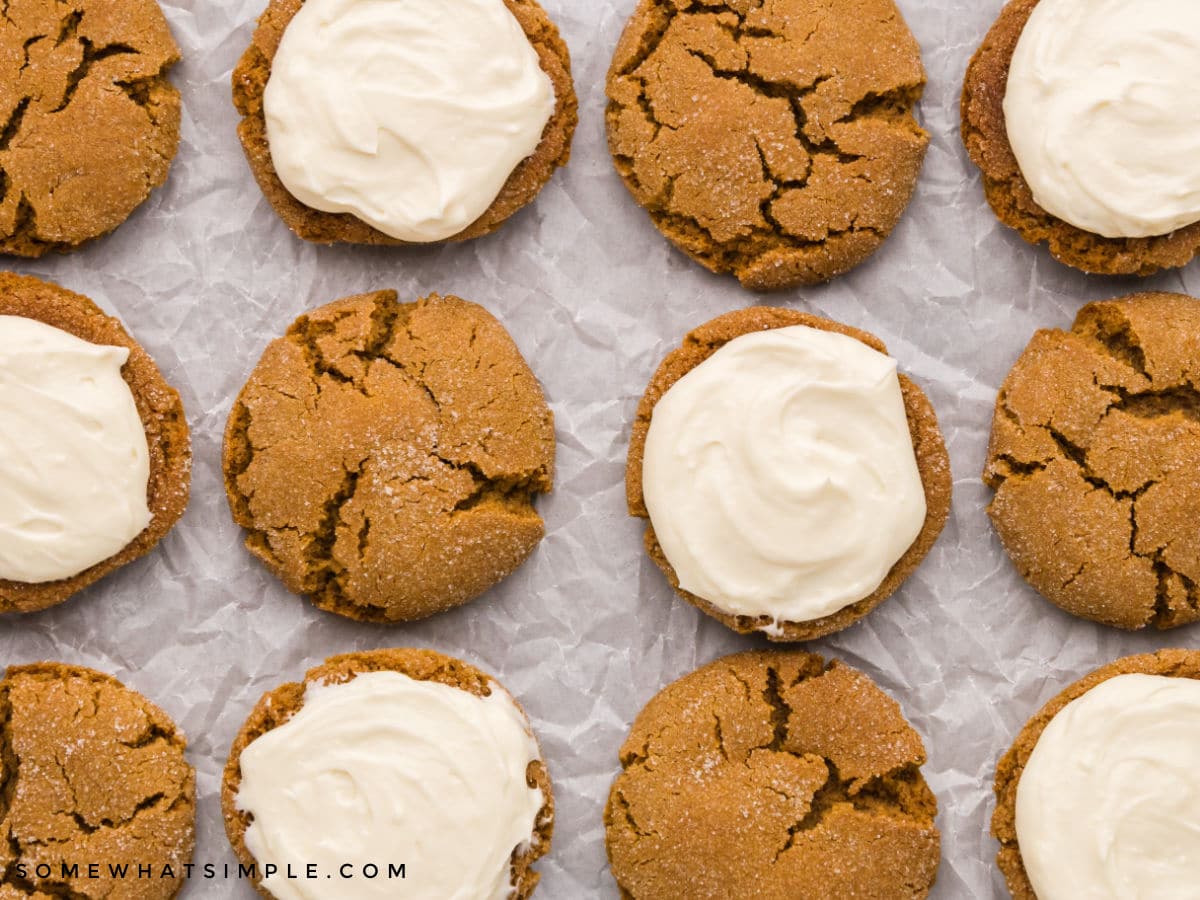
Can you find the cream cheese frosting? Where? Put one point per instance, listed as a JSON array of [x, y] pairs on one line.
[[385, 768], [408, 114], [780, 475], [74, 463], [1108, 805], [1102, 115]]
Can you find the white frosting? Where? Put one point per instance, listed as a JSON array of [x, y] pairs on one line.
[[1108, 805], [409, 114], [1102, 113], [383, 769], [74, 464], [780, 474]]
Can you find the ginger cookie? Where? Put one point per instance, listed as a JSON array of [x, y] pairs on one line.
[[790, 477], [385, 457], [1063, 90], [95, 446], [481, 88], [91, 774], [775, 770], [772, 140], [374, 736], [1094, 455], [90, 122], [1095, 798]]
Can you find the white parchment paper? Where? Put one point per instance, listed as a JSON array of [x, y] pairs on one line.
[[204, 275]]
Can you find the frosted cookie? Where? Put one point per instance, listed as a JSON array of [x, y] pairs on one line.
[[396, 123], [792, 479], [1079, 113], [385, 457], [405, 756], [89, 123], [1096, 797], [91, 773], [95, 460], [1094, 458], [774, 140], [777, 770]]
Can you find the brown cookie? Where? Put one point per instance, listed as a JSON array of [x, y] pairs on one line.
[[1172, 663], [277, 706], [776, 774], [385, 457], [932, 461], [158, 405], [985, 136], [90, 122], [90, 772], [1095, 460], [774, 140], [523, 185]]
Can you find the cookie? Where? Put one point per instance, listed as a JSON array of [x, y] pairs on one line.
[[250, 80], [91, 773], [384, 457], [397, 727], [775, 140], [775, 770], [1125, 729], [1094, 455], [90, 122], [162, 418], [985, 135], [929, 462]]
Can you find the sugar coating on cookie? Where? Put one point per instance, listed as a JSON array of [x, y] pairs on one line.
[[384, 764], [75, 459], [772, 140], [1101, 116], [92, 773], [385, 457], [89, 123], [773, 770], [780, 475], [410, 116], [1106, 805], [1094, 458]]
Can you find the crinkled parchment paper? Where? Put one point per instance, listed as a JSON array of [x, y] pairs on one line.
[[588, 630]]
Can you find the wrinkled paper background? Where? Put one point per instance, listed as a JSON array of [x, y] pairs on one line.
[[204, 275]]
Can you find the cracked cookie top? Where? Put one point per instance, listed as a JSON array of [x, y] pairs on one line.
[[773, 139], [250, 79], [1095, 460], [777, 774], [89, 123], [385, 457], [90, 771]]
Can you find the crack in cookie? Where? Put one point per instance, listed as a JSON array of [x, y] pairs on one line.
[[89, 771], [774, 140], [385, 457], [802, 760], [1094, 456], [90, 123]]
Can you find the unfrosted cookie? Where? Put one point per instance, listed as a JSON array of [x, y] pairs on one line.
[[89, 123], [385, 456], [772, 140], [1126, 763], [375, 736], [932, 467], [1094, 457], [91, 773], [61, 455], [777, 774], [985, 135], [250, 79]]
